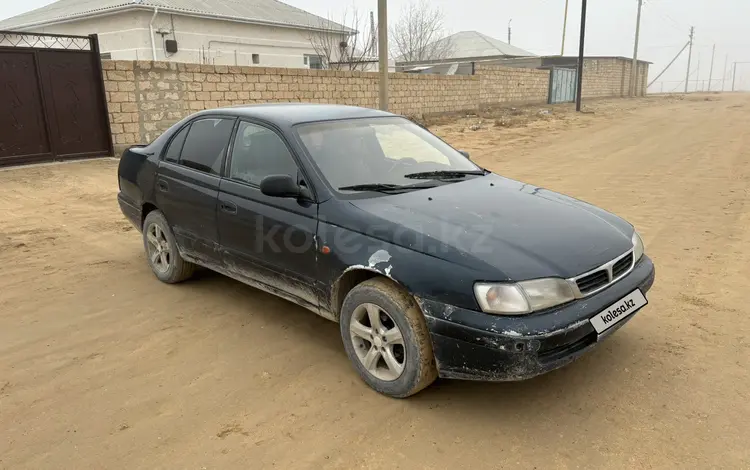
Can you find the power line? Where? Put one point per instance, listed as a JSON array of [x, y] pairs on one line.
[[672, 46], [665, 16], [683, 81], [695, 46], [670, 64]]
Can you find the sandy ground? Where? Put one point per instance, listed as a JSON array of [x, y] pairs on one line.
[[102, 366]]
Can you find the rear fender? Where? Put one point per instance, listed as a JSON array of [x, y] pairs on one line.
[[136, 174]]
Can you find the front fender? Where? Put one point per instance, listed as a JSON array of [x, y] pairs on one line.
[[422, 274]]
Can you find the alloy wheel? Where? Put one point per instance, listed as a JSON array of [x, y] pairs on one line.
[[159, 252], [378, 342]]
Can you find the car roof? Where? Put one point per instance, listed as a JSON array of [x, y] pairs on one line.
[[289, 114]]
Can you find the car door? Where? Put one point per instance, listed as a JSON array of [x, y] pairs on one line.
[[187, 185], [267, 240]]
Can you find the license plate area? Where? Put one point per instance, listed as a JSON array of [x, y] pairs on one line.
[[618, 311]]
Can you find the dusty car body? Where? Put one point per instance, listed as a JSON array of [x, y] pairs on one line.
[[451, 257]]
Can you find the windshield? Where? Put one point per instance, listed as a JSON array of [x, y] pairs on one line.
[[380, 151]]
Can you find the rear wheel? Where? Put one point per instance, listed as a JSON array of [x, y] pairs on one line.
[[161, 250], [386, 338]]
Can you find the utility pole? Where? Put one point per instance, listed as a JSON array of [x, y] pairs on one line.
[[724, 76], [690, 56], [734, 76], [634, 68], [509, 30], [580, 56], [373, 34], [698, 72], [565, 27], [670, 64], [711, 72], [383, 52]]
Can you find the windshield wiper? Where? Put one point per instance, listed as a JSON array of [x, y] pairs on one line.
[[384, 188], [445, 174]]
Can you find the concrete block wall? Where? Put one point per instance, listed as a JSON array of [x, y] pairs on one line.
[[145, 98], [416, 95], [609, 77], [512, 85]]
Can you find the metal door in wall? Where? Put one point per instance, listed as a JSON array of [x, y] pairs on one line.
[[562, 86], [23, 131], [53, 101]]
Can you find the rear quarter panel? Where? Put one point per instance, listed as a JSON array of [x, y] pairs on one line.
[[136, 175]]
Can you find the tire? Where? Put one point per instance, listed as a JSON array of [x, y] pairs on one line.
[[175, 269], [414, 355]]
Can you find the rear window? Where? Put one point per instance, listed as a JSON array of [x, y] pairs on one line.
[[206, 145]]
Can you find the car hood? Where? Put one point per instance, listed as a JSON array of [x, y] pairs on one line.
[[503, 229]]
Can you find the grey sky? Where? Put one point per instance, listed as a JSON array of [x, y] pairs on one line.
[[537, 27]]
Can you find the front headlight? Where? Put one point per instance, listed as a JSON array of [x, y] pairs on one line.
[[638, 248], [523, 297]]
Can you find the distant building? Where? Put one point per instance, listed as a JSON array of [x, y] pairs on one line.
[[460, 50], [367, 64], [227, 32]]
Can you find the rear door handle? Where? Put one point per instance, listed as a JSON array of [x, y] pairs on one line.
[[162, 185], [228, 207]]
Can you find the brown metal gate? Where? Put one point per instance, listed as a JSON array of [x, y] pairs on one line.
[[52, 100]]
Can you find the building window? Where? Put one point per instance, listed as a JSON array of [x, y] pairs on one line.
[[106, 56], [256, 59], [314, 61]]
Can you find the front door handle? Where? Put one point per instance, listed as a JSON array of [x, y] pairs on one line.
[[162, 185], [228, 207]]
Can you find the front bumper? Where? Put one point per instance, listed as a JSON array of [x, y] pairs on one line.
[[477, 346]]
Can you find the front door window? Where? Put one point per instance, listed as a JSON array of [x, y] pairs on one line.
[[259, 152]]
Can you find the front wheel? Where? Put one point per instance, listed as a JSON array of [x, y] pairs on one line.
[[161, 250], [386, 338]]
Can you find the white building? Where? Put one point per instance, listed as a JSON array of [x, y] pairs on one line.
[[228, 32]]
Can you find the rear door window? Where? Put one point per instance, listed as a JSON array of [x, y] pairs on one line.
[[206, 144], [175, 147]]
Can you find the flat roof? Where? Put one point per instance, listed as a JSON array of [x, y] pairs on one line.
[[575, 57]]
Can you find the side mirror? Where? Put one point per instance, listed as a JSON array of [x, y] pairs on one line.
[[280, 186], [465, 154]]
